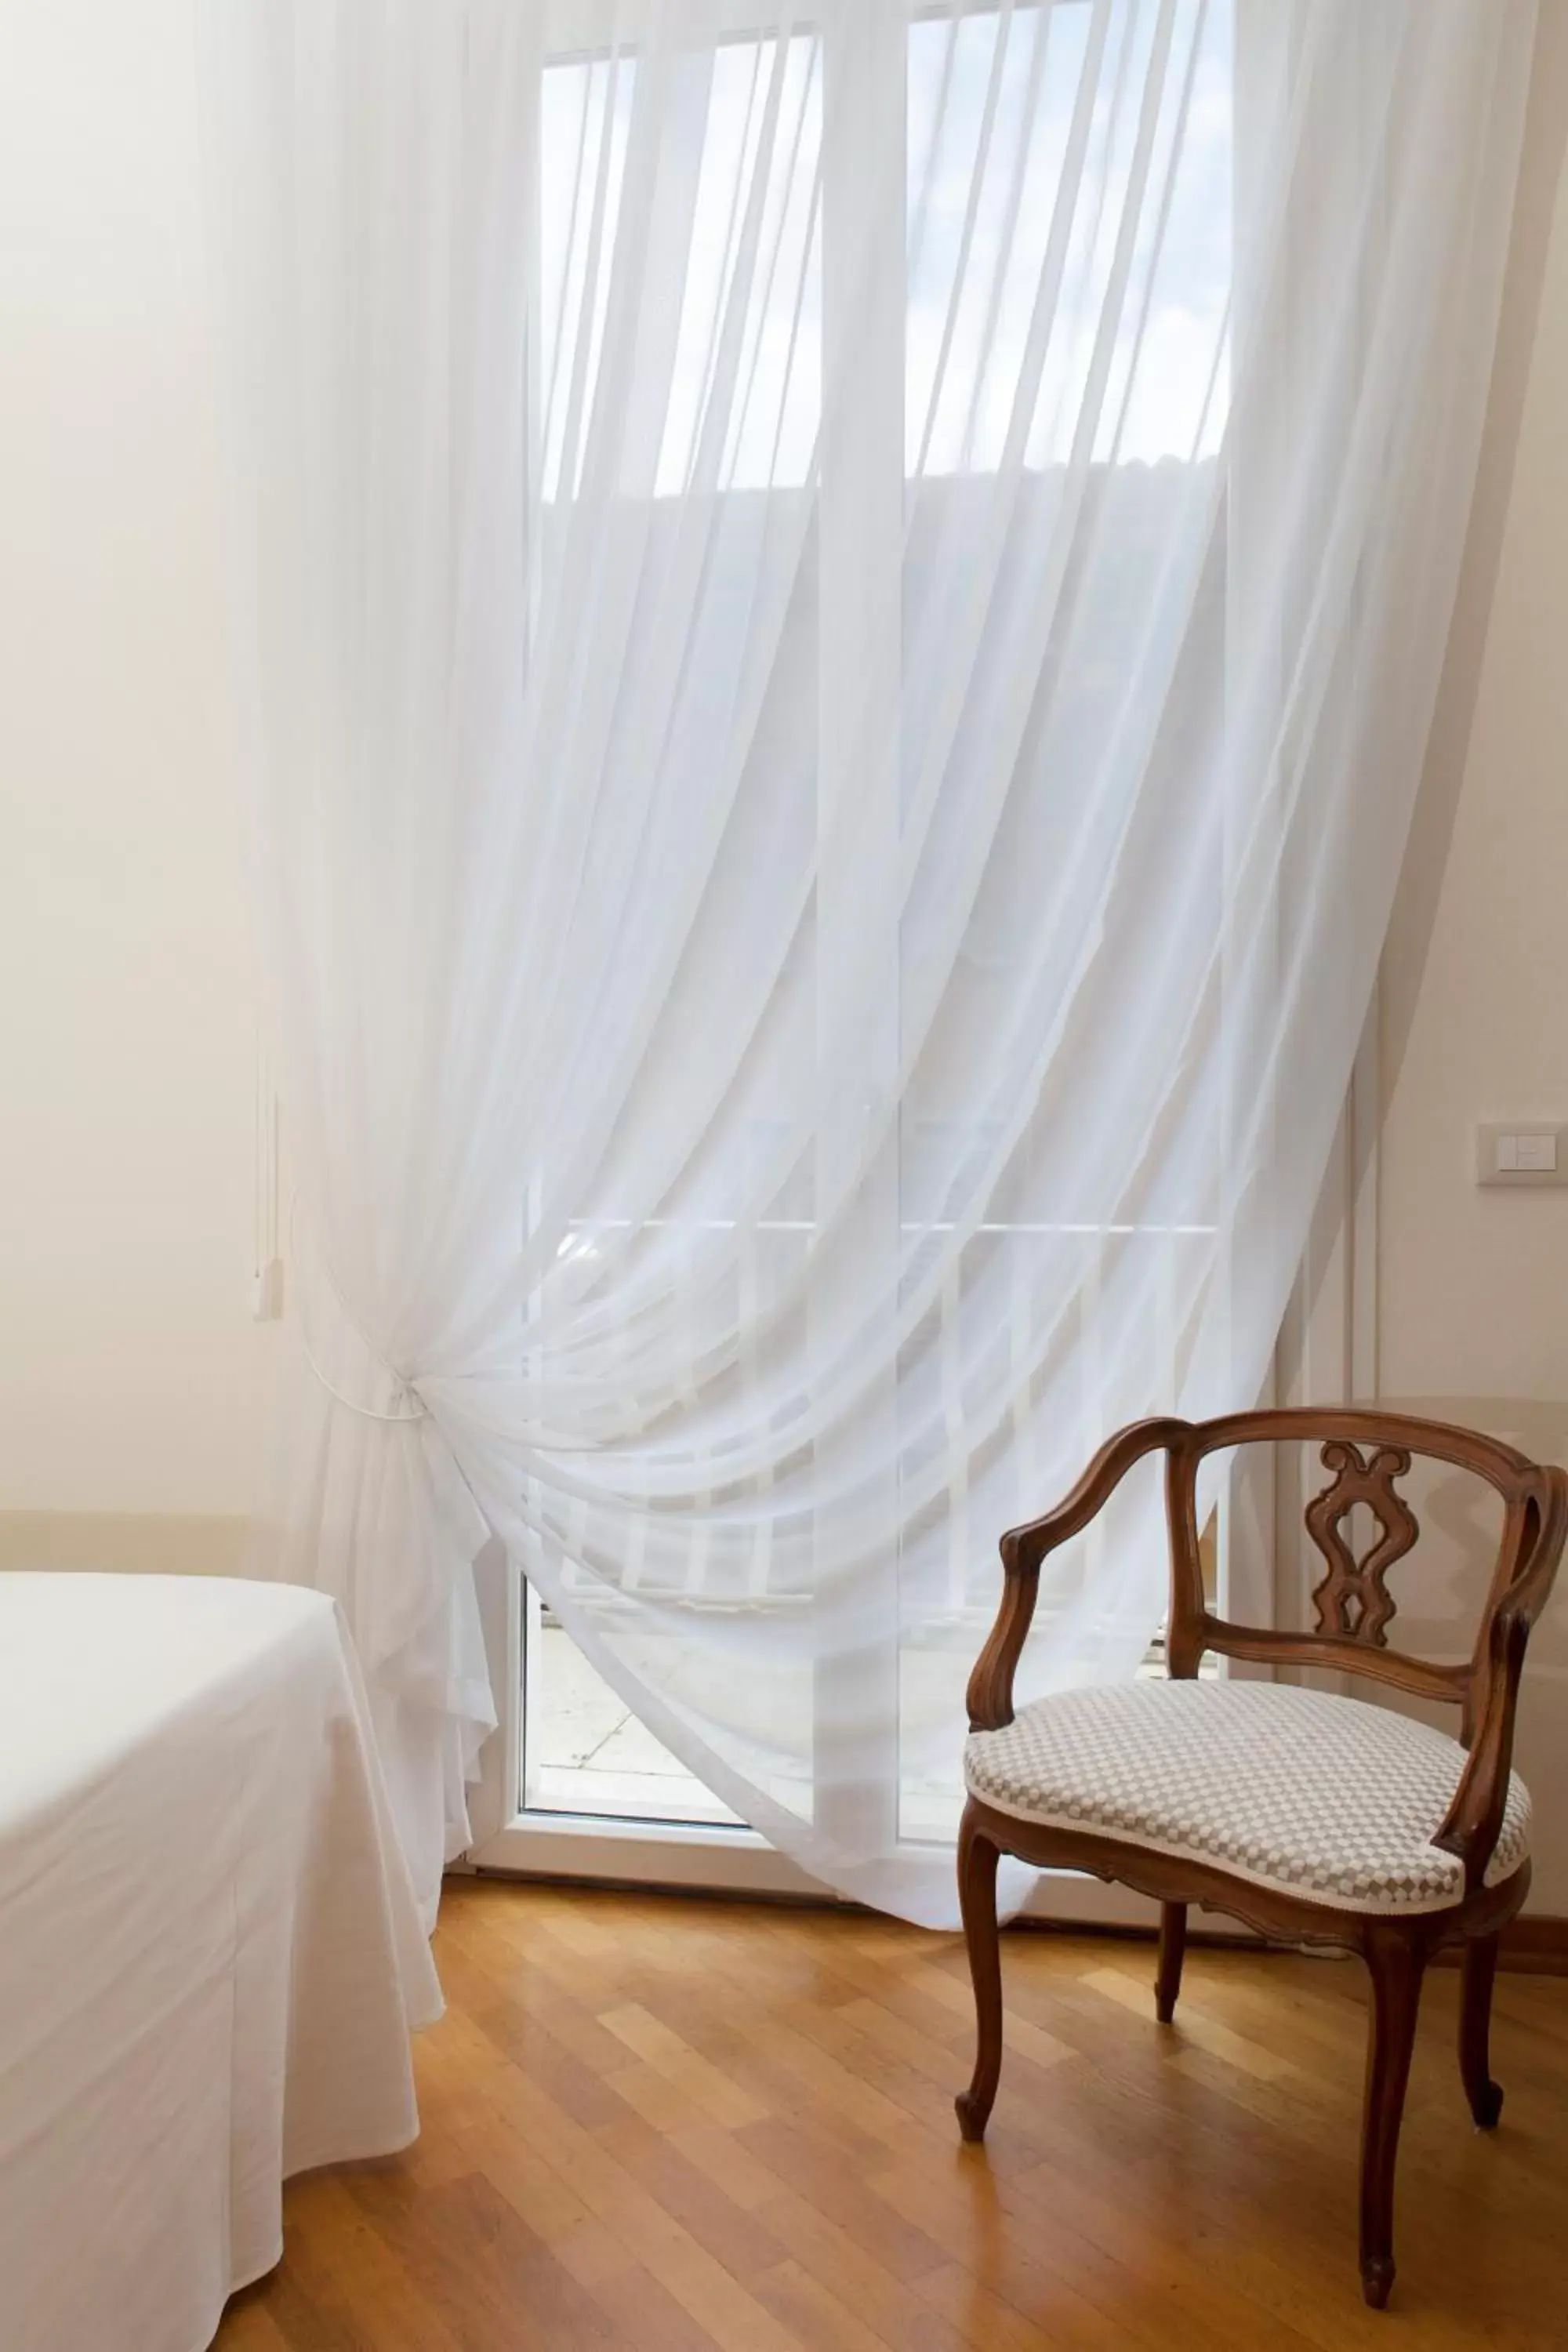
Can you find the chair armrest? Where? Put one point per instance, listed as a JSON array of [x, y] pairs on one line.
[[990, 1697], [1473, 1823]]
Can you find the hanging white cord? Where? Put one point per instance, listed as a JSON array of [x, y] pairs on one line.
[[366, 1411], [264, 1188]]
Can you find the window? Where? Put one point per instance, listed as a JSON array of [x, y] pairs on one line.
[[747, 346], [992, 360]]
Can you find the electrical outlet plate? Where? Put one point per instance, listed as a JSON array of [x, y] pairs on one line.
[[1521, 1152]]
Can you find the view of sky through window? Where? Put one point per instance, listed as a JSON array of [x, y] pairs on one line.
[[1018, 197]]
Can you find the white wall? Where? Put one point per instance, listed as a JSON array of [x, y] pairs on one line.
[[1472, 1320], [130, 1370]]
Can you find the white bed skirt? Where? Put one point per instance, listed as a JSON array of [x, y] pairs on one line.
[[210, 1955]]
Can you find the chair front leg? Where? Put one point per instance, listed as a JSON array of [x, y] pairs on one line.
[[1172, 1950], [977, 1860], [1479, 1966], [1397, 1959]]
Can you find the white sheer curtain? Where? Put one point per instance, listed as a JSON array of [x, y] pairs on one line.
[[848, 601]]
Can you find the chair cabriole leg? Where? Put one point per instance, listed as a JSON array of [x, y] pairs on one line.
[[977, 1859], [1480, 1972], [1172, 1950], [1396, 1961]]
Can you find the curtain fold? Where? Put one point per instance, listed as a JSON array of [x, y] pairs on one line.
[[846, 603]]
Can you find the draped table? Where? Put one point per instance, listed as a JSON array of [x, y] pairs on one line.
[[210, 1954]]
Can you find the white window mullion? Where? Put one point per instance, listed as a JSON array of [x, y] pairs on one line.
[[860, 555]]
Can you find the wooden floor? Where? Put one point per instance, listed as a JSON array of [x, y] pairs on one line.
[[667, 2125]]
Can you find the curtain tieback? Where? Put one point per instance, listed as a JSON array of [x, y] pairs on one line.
[[405, 1389]]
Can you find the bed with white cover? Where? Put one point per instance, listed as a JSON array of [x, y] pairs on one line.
[[210, 1955]]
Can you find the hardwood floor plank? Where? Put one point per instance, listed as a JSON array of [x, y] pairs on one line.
[[842, 2265], [980, 2314], [656, 2125], [809, 2161], [739, 2238], [1198, 2027], [818, 2317], [640, 2305], [345, 2266], [697, 2279], [720, 2099], [249, 2325], [480, 2266]]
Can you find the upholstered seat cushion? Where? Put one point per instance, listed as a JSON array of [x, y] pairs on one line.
[[1330, 1799]]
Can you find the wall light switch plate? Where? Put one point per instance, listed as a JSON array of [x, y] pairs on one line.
[[1521, 1152]]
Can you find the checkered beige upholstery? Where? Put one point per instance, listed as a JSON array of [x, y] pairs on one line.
[[1332, 1799]]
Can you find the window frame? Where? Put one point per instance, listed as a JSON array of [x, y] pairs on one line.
[[864, 47]]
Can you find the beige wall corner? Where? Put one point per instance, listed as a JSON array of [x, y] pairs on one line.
[[1472, 1304], [131, 1378]]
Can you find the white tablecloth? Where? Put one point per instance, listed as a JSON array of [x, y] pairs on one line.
[[210, 1955]]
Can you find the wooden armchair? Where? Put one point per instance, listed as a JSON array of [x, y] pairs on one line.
[[1315, 1819]]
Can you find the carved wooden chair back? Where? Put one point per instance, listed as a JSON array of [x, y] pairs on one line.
[[1367, 1454]]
